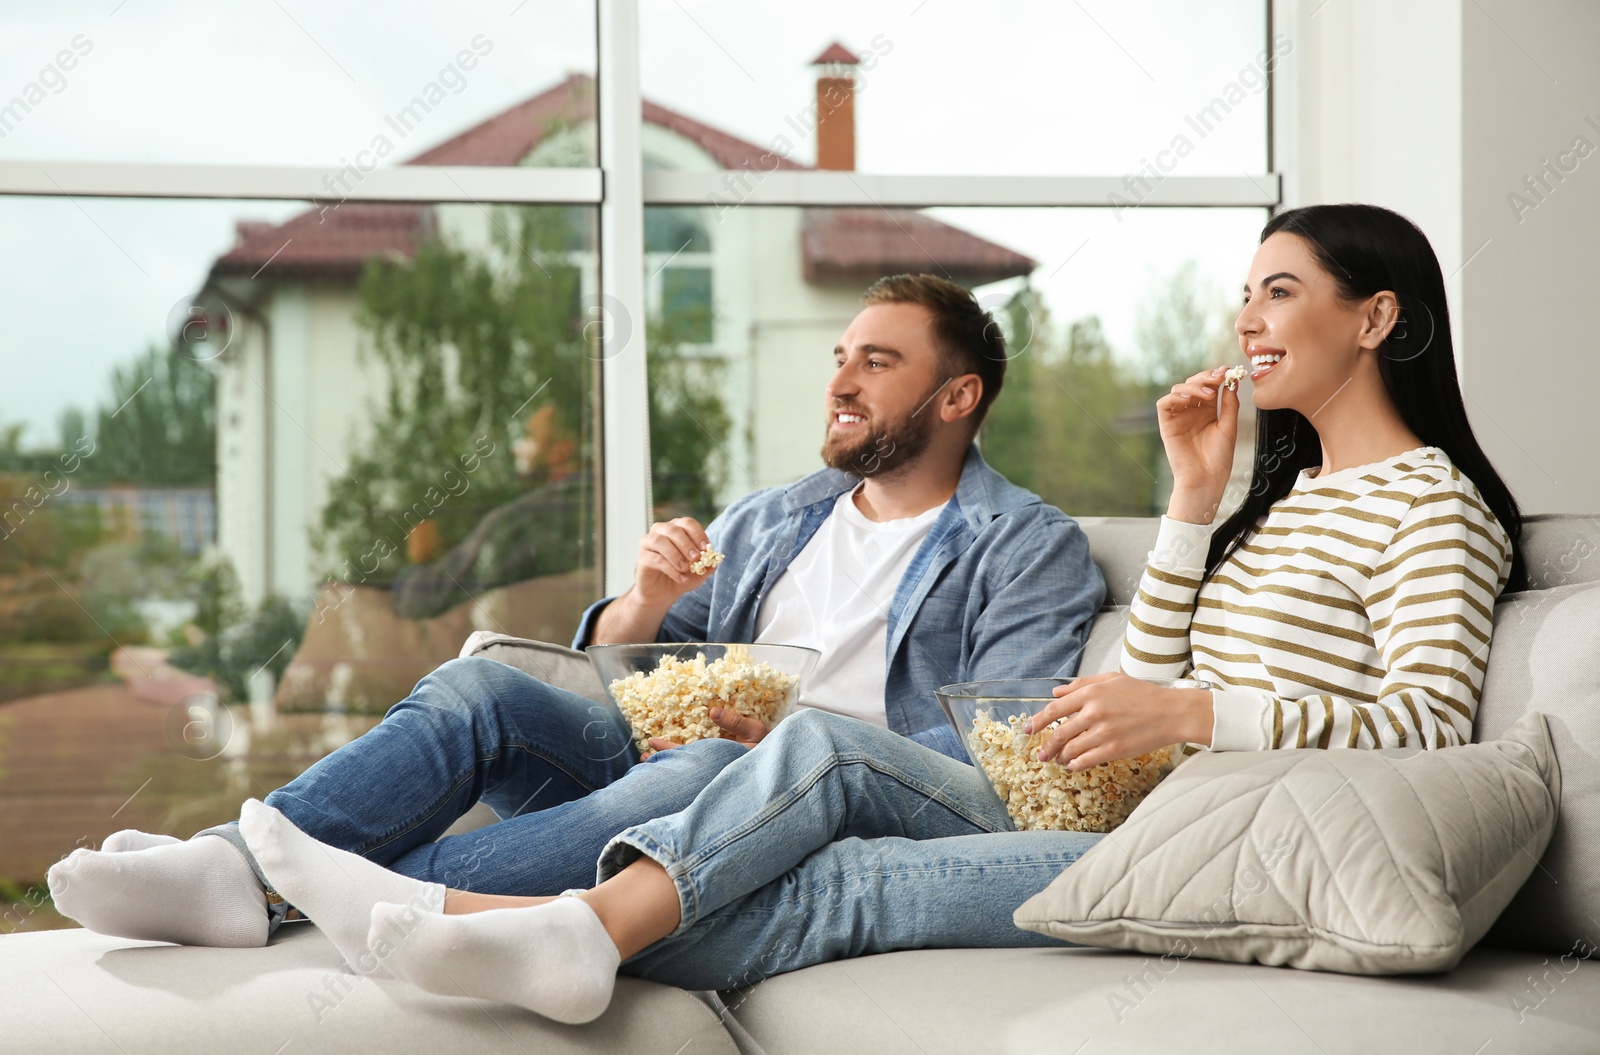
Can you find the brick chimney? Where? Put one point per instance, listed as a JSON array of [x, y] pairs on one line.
[[836, 108]]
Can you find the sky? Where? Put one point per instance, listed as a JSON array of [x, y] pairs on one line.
[[956, 88]]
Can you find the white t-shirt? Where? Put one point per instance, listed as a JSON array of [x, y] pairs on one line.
[[834, 597]]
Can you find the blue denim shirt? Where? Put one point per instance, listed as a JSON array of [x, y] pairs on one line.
[[1002, 587]]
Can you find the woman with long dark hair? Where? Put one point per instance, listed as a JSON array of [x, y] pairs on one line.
[[1347, 604]]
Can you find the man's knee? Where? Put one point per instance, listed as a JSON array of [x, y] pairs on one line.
[[814, 726], [712, 753], [472, 687]]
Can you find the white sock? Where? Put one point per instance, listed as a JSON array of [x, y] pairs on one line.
[[335, 888], [200, 892], [555, 959], [134, 839]]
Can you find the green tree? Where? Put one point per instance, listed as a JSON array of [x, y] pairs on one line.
[[474, 345], [1069, 423], [689, 424], [1185, 328], [1097, 440], [159, 426], [492, 359], [1011, 431]]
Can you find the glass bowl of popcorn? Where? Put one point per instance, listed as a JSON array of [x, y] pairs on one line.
[[668, 690], [988, 717]]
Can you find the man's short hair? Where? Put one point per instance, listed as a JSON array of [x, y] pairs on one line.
[[967, 337]]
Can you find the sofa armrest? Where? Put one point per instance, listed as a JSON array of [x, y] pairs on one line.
[[552, 664]]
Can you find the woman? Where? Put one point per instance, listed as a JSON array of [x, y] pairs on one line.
[[1348, 603]]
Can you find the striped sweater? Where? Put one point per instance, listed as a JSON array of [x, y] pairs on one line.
[[1356, 614]]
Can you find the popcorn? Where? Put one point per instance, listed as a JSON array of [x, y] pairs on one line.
[[1234, 375], [1047, 796], [709, 558], [674, 700]]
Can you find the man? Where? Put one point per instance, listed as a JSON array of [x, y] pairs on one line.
[[907, 562]]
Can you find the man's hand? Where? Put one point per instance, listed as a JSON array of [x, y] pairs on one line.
[[746, 731], [666, 552], [660, 577], [1112, 716]]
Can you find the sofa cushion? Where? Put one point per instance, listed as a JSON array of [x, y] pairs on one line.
[[1561, 549], [74, 991], [1543, 657], [971, 1001], [1120, 547], [552, 664], [1103, 651], [1369, 862]]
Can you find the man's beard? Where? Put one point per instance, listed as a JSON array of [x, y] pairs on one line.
[[881, 449]]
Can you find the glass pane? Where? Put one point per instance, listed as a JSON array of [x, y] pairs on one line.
[[1030, 87], [1103, 312], [278, 469], [294, 83]]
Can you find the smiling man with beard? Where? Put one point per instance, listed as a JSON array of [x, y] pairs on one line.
[[907, 563]]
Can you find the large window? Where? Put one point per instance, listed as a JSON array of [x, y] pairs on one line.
[[332, 337]]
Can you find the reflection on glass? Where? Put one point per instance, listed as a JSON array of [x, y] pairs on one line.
[[1101, 315], [275, 469]]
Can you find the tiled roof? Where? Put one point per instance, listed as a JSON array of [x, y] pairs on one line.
[[859, 245], [335, 241], [325, 242]]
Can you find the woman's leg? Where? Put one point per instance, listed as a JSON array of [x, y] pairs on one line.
[[817, 779], [858, 897], [852, 898]]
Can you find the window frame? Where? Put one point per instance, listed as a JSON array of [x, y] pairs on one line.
[[621, 189]]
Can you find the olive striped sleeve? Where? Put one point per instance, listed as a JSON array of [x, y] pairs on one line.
[[1429, 601], [1156, 644]]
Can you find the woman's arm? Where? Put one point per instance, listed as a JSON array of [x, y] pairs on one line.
[[1431, 602], [1156, 644], [1199, 422]]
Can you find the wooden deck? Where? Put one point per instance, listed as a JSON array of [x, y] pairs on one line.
[[76, 766]]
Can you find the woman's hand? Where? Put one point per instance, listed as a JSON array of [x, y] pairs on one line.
[[1112, 716], [1199, 422]]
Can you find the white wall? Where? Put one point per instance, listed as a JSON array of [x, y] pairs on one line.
[[1367, 109], [1531, 313], [1438, 109]]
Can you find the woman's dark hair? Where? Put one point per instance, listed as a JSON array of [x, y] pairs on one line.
[[1367, 249]]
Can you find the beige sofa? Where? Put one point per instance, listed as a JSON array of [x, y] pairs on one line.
[[71, 991]]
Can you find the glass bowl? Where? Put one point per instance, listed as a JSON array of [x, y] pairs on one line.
[[1045, 795], [676, 703]]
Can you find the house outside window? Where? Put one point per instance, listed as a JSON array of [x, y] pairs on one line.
[[338, 371]]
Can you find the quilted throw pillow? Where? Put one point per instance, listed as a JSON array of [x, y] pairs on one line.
[[1366, 862]]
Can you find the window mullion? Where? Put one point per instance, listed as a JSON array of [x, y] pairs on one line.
[[621, 311]]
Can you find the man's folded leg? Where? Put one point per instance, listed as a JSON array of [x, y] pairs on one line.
[[472, 729], [555, 849]]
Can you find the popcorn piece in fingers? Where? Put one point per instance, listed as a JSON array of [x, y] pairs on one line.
[[709, 558], [1234, 375]]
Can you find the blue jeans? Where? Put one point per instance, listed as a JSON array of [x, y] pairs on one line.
[[560, 769], [837, 838]]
